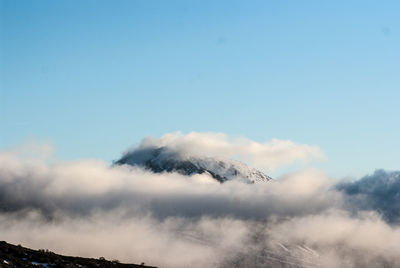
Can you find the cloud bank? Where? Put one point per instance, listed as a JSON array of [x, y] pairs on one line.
[[303, 219], [379, 192], [269, 155]]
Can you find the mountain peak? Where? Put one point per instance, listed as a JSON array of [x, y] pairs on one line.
[[164, 159]]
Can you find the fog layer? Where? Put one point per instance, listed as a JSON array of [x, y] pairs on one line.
[[305, 218]]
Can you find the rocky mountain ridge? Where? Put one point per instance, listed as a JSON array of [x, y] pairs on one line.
[[164, 159]]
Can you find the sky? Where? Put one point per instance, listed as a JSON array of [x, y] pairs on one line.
[[95, 77], [306, 91]]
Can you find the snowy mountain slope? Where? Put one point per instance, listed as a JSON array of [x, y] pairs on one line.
[[164, 159]]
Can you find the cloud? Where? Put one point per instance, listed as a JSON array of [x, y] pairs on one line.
[[379, 191], [341, 239], [83, 186], [269, 155], [304, 218]]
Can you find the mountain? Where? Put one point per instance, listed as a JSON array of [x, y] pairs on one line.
[[164, 159], [18, 256]]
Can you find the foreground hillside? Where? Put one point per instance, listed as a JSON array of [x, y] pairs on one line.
[[18, 256]]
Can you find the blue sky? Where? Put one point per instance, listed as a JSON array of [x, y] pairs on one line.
[[95, 77]]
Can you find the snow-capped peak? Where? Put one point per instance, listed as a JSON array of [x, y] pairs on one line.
[[164, 159]]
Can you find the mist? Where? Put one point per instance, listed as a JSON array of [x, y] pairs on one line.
[[305, 218]]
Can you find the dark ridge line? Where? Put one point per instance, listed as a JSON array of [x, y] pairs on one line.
[[18, 256]]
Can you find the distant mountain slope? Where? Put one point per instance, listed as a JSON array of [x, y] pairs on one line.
[[18, 256], [164, 159]]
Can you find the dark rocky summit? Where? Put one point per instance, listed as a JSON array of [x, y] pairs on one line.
[[164, 159]]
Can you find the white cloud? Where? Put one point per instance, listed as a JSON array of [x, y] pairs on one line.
[[269, 155], [171, 220]]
